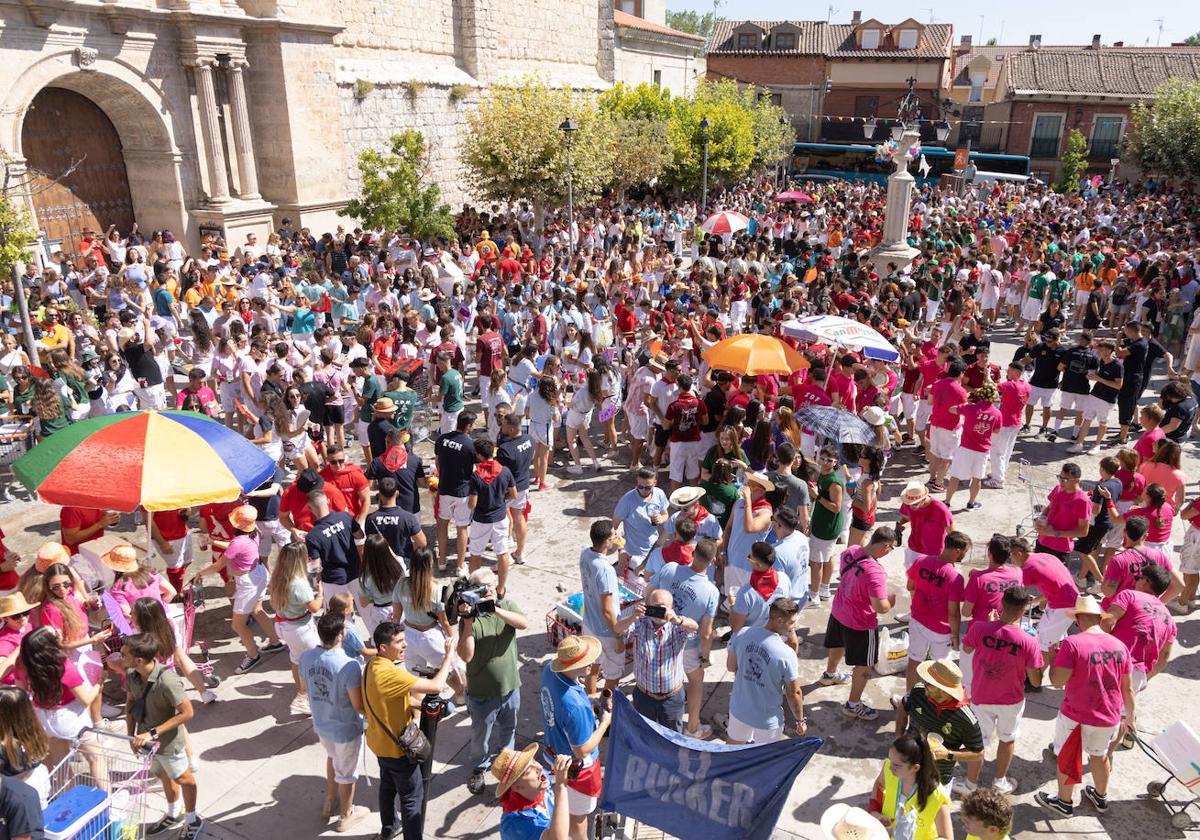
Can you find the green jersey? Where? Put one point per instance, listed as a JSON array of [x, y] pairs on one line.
[[1037, 286]]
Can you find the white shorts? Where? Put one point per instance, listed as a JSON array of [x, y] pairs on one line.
[[685, 457], [1095, 738], [908, 404], [931, 310], [542, 433], [299, 636], [271, 532], [921, 418], [228, 393], [639, 426], [1081, 298], [151, 397], [249, 589], [1098, 410], [426, 648], [373, 616], [1114, 538], [942, 442], [455, 509], [1042, 396], [578, 421], [738, 731], [481, 534], [486, 398], [65, 722], [360, 432], [924, 644], [1052, 627], [580, 804], [346, 757], [1031, 310], [612, 664], [180, 556], [1005, 721], [968, 464], [1137, 681], [1189, 553], [328, 590], [736, 578], [820, 551], [449, 421], [910, 557], [691, 660], [1068, 401]]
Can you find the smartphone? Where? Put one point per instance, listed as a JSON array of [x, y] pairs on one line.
[[656, 611]]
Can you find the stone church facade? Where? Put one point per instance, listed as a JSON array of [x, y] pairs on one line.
[[192, 115]]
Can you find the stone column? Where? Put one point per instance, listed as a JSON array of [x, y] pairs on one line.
[[895, 248], [218, 180], [242, 140]]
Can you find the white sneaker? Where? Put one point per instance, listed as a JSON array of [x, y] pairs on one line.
[[299, 705], [207, 697], [575, 469], [1004, 785]]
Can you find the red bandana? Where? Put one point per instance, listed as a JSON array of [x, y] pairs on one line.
[[488, 470], [395, 458], [511, 801], [678, 552], [764, 583]]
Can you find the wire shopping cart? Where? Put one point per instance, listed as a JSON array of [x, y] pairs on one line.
[[1177, 746], [421, 425], [98, 792], [1039, 484], [17, 437]]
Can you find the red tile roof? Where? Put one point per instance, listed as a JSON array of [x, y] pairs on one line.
[[634, 22]]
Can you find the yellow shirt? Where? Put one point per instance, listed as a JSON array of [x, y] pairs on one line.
[[926, 829], [386, 688]]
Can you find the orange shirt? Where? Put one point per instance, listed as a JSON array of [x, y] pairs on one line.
[[1085, 281]]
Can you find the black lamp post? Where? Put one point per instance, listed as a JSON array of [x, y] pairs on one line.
[[568, 128], [705, 125]]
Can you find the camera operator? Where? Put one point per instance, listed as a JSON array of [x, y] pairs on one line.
[[659, 639], [487, 643], [388, 694]]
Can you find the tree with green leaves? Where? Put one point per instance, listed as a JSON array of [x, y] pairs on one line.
[[1192, 40], [394, 193], [774, 136], [17, 230], [1074, 162], [1161, 137], [692, 21], [513, 148], [640, 153]]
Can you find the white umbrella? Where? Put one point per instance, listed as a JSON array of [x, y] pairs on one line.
[[842, 332], [726, 221]]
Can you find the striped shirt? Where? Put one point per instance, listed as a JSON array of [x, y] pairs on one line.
[[959, 727], [658, 656]]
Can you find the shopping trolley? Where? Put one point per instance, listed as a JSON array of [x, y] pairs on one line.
[[16, 438], [98, 792], [1039, 484], [421, 425], [1177, 751]]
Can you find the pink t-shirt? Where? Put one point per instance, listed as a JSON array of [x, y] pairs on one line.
[[1097, 661], [843, 386], [943, 394], [986, 587], [980, 422], [929, 526], [936, 584], [71, 679], [862, 578], [931, 372], [1014, 396], [10, 640], [1124, 567], [1148, 442], [1170, 478], [809, 394], [1063, 514], [242, 553], [1133, 485], [1159, 519], [1001, 654], [1145, 627], [125, 592], [49, 615], [1052, 578]]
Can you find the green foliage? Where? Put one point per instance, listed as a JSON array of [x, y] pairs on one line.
[[513, 149], [730, 135], [362, 87], [774, 136], [1161, 137], [17, 230], [1192, 40], [459, 91], [645, 101], [692, 21], [392, 195], [640, 152], [1074, 162]]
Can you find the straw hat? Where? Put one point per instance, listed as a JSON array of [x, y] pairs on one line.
[[945, 675], [575, 652], [426, 295], [15, 604], [915, 492], [384, 405], [684, 496], [658, 362], [49, 554], [761, 480], [509, 765], [874, 415], [1085, 605], [243, 517], [121, 558], [845, 822]]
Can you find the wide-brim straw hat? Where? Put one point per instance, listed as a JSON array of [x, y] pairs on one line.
[[49, 554], [15, 604], [244, 517], [684, 496], [761, 480], [510, 764], [846, 822], [121, 558], [576, 652], [945, 675], [1086, 605], [915, 492]]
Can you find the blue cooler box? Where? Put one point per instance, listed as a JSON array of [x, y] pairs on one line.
[[80, 813]]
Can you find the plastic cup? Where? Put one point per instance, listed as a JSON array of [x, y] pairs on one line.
[[935, 741]]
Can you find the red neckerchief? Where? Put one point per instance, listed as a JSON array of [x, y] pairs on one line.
[[678, 552], [949, 706], [701, 513], [488, 470], [764, 583], [511, 801], [395, 458]]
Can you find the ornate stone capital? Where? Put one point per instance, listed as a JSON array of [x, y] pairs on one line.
[[85, 58]]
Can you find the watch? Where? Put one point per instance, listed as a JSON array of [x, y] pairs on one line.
[[153, 733]]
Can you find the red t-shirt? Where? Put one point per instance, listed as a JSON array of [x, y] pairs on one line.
[[1014, 396], [350, 480], [929, 524], [936, 584], [841, 386], [8, 580], [75, 517], [170, 524], [945, 393], [296, 504], [489, 351], [214, 519], [931, 372], [1098, 661], [980, 422], [686, 415]]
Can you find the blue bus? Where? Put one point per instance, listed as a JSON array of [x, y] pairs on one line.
[[856, 162]]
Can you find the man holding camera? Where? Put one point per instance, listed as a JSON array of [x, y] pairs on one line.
[[487, 643], [659, 639]]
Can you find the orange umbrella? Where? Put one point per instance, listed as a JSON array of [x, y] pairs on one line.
[[754, 354]]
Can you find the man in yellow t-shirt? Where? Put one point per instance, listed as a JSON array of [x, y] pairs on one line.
[[387, 692]]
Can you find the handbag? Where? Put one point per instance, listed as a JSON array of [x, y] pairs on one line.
[[412, 740]]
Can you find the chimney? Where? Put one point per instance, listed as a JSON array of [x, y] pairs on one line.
[[855, 18], [1035, 42], [1095, 42], [1118, 43], [966, 41]]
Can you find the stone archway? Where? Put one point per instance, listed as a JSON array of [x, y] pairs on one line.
[[77, 170]]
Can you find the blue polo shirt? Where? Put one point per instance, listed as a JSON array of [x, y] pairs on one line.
[[791, 558], [528, 823], [599, 578], [693, 595], [634, 514], [752, 605], [764, 664], [567, 718]]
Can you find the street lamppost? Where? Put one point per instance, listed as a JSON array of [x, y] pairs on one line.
[[705, 125], [779, 168], [1112, 172], [568, 128], [906, 132]]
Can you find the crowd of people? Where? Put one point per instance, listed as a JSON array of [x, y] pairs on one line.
[[375, 369]]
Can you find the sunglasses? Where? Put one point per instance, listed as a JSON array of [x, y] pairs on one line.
[[642, 488], [20, 616], [61, 587], [1065, 478]]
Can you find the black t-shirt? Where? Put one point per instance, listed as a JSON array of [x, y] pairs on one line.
[[1108, 370], [1051, 322], [315, 393], [332, 541], [516, 453], [910, 305], [395, 525], [268, 506], [714, 401], [455, 453], [20, 811], [1099, 504], [970, 344], [1135, 362], [490, 502], [1185, 412], [1045, 365], [377, 432], [1154, 352], [1079, 361], [142, 364], [408, 495]]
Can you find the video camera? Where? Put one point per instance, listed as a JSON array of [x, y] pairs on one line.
[[473, 595]]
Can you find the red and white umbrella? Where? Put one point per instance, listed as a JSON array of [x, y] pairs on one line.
[[725, 222]]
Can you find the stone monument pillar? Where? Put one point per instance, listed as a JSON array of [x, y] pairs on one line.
[[895, 248]]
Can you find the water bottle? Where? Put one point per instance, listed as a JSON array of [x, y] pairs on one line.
[[314, 571]]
